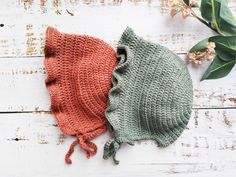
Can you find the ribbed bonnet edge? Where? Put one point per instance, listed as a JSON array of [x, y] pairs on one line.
[[127, 36], [50, 46], [130, 39], [51, 56]]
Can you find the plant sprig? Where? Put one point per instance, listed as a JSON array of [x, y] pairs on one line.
[[221, 49]]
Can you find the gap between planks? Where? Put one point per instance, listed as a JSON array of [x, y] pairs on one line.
[[49, 112]]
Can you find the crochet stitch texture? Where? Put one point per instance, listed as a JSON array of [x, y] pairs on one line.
[[79, 70], [151, 96]]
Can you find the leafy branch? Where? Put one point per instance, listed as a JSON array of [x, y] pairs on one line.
[[221, 49]]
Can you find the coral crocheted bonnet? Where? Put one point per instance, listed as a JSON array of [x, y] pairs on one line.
[[79, 70], [151, 96]]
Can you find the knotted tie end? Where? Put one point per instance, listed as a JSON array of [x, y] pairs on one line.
[[110, 149]]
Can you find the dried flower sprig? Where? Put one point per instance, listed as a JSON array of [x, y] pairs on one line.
[[198, 56], [179, 6]]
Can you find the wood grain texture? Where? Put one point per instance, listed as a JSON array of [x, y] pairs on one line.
[[31, 142]]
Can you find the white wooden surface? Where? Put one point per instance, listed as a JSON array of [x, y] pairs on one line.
[[31, 143]]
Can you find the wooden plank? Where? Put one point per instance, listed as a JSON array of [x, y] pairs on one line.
[[30, 141], [45, 6], [22, 87], [23, 31], [89, 169], [26, 37]]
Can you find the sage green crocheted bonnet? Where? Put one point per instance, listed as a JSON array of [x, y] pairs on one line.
[[151, 97]]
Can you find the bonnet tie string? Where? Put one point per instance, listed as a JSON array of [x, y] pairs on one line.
[[84, 141], [110, 149], [89, 147], [70, 151]]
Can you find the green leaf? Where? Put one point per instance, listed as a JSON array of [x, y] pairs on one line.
[[186, 2], [200, 46], [218, 13], [218, 68], [225, 47], [206, 10], [224, 17]]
